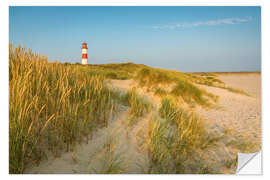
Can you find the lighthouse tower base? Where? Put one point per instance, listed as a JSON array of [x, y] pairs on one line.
[[84, 61]]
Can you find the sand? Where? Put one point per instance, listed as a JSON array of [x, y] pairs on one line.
[[126, 143], [238, 112], [235, 121]]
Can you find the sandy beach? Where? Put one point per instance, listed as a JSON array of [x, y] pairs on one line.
[[235, 121], [238, 113]]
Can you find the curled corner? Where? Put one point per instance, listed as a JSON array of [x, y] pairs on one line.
[[249, 163]]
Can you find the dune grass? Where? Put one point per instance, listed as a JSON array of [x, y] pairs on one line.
[[181, 86], [206, 78], [175, 136], [138, 105], [51, 105], [192, 94], [153, 77], [235, 90], [160, 92], [111, 161], [121, 71], [210, 79]]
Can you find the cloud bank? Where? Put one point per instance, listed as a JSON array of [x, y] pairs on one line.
[[204, 23]]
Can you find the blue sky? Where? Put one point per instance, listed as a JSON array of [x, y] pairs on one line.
[[188, 39]]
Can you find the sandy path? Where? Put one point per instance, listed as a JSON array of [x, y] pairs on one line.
[[89, 158]]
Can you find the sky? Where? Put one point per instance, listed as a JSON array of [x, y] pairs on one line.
[[187, 39]]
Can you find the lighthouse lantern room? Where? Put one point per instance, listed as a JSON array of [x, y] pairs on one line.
[[84, 53]]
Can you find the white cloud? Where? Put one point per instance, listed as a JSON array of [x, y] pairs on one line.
[[204, 23]]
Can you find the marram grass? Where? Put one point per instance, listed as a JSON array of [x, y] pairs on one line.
[[174, 137], [183, 85], [138, 105], [50, 106]]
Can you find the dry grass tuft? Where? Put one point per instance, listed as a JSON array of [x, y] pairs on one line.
[[138, 105]]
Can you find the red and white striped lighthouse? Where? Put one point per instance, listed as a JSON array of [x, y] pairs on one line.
[[84, 53]]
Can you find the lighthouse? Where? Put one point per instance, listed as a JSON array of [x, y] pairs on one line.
[[84, 53]]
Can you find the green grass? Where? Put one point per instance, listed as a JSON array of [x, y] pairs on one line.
[[182, 86], [160, 92], [152, 77], [192, 94], [209, 79], [174, 137], [120, 71], [138, 105], [168, 107]]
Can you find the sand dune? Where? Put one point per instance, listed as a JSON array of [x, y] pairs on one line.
[[236, 121], [87, 158]]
